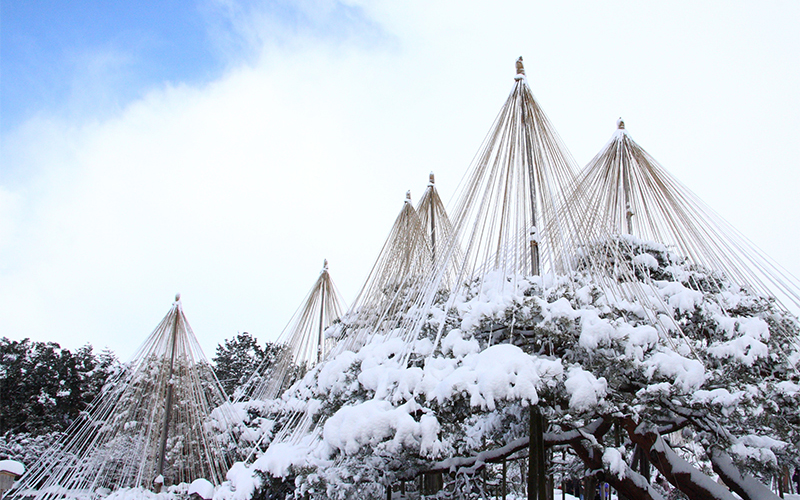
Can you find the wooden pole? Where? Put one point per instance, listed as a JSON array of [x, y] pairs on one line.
[[505, 488], [541, 460], [168, 413], [528, 146], [532, 486], [626, 180], [564, 474], [433, 221], [537, 485], [322, 312]]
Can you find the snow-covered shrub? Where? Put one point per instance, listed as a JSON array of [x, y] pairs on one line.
[[684, 348]]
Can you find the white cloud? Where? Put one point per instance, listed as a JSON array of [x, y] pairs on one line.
[[233, 192]]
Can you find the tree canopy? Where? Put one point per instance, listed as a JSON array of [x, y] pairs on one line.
[[701, 375], [44, 387]]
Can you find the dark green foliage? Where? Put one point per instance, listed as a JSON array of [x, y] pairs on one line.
[[26, 448], [43, 387], [274, 488], [238, 358]]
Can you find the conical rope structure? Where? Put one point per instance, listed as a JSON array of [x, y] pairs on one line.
[[625, 195], [404, 260], [515, 185], [163, 419], [303, 343], [394, 285], [437, 226], [506, 217], [525, 223], [403, 265]]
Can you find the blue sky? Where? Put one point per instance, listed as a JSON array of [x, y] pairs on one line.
[[223, 149], [51, 48], [52, 52]]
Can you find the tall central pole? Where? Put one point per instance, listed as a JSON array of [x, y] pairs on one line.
[[168, 413], [322, 310], [533, 236], [433, 220], [626, 179], [537, 486]]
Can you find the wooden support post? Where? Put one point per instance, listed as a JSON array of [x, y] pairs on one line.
[[534, 232], [626, 180], [162, 451], [590, 488], [505, 473], [551, 483], [533, 488], [433, 220], [322, 314], [537, 484], [618, 443], [541, 462]]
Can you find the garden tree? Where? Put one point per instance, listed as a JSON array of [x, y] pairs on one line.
[[698, 373], [156, 421], [43, 387], [238, 358], [24, 447]]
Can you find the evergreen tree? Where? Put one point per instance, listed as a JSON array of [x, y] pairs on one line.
[[696, 381], [236, 360], [43, 387], [240, 363]]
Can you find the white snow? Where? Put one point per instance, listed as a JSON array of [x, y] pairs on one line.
[[372, 422], [687, 374], [749, 345], [584, 388], [646, 260], [386, 399], [614, 461], [12, 466], [202, 487]]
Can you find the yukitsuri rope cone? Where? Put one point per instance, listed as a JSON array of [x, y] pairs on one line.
[[404, 261], [161, 420], [404, 265], [625, 195], [515, 185], [523, 223], [398, 274], [437, 226], [506, 218], [303, 342], [307, 339]]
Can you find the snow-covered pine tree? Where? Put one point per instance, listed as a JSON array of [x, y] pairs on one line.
[[592, 363]]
